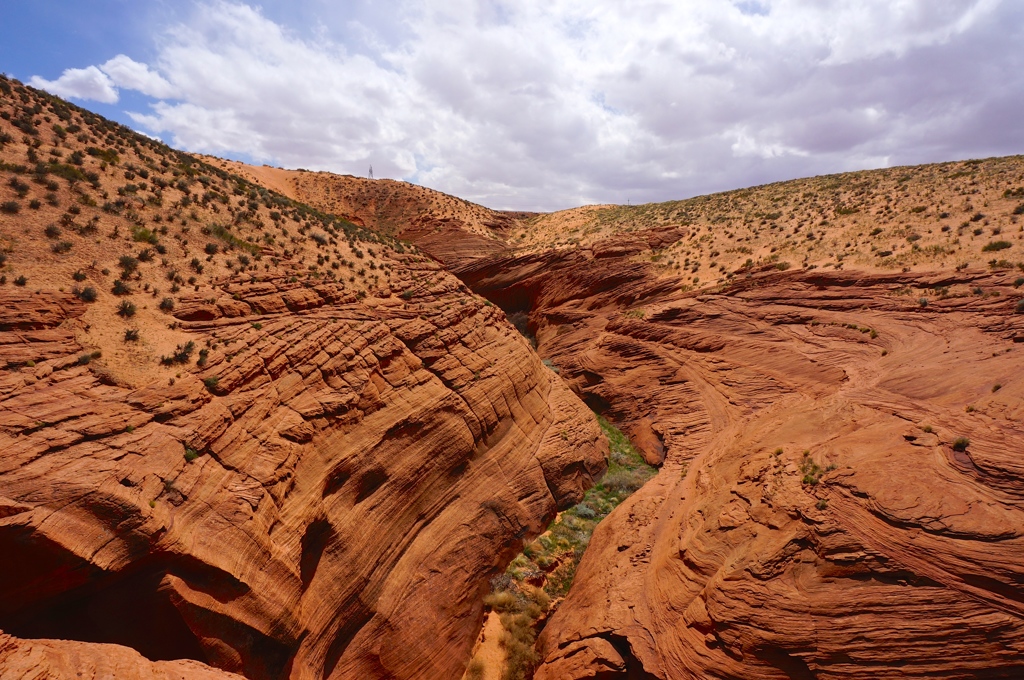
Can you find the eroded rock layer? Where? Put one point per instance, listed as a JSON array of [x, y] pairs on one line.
[[816, 515], [325, 496]]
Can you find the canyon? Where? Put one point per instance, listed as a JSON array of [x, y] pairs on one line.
[[826, 372]]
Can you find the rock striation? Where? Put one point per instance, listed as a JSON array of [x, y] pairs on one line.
[[326, 496], [819, 510]]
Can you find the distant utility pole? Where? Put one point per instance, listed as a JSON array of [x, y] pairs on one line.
[[371, 172]]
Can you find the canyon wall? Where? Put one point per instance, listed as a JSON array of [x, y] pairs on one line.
[[820, 510], [326, 496]]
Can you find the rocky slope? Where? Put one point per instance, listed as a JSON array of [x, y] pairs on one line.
[[818, 494], [283, 469], [453, 230], [841, 482], [828, 372]]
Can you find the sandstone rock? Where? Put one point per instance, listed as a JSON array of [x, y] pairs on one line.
[[332, 505]]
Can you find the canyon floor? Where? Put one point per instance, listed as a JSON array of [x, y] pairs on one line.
[[317, 426]]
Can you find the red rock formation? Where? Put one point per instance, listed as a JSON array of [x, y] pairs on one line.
[[330, 503], [880, 548], [69, 660]]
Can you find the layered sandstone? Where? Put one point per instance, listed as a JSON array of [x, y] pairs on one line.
[[362, 467], [237, 431], [812, 517]]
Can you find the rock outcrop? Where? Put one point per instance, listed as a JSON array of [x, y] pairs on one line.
[[817, 513], [326, 496]]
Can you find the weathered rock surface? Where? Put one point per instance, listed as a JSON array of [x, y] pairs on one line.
[[325, 497], [812, 518], [70, 660]]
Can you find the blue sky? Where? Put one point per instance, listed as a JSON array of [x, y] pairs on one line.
[[543, 105]]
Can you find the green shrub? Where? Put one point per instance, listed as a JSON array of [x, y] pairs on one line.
[[996, 245], [79, 275], [143, 235], [61, 247], [10, 207], [961, 443], [121, 288], [167, 304], [128, 265], [181, 355], [52, 231], [87, 294], [21, 280], [131, 334], [126, 309], [211, 382]]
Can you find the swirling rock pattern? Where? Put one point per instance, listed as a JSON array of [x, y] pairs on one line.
[[360, 467], [812, 518]]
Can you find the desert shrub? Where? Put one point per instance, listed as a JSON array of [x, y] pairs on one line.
[[143, 235], [996, 245], [20, 281], [211, 249], [518, 639], [87, 294], [121, 288], [79, 275], [61, 247], [585, 511], [10, 207], [167, 304], [1020, 306], [131, 334], [211, 382], [145, 255], [126, 309], [961, 443], [476, 670], [35, 204], [181, 355], [128, 265], [624, 481]]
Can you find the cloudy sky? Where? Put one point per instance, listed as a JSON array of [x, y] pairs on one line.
[[543, 104]]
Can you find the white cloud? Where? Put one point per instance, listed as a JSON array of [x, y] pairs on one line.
[[129, 74], [80, 83], [548, 104]]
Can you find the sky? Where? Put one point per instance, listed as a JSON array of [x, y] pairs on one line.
[[543, 105]]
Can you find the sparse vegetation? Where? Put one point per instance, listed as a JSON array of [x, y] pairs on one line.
[[996, 246], [126, 309], [182, 354], [553, 557], [87, 294]]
